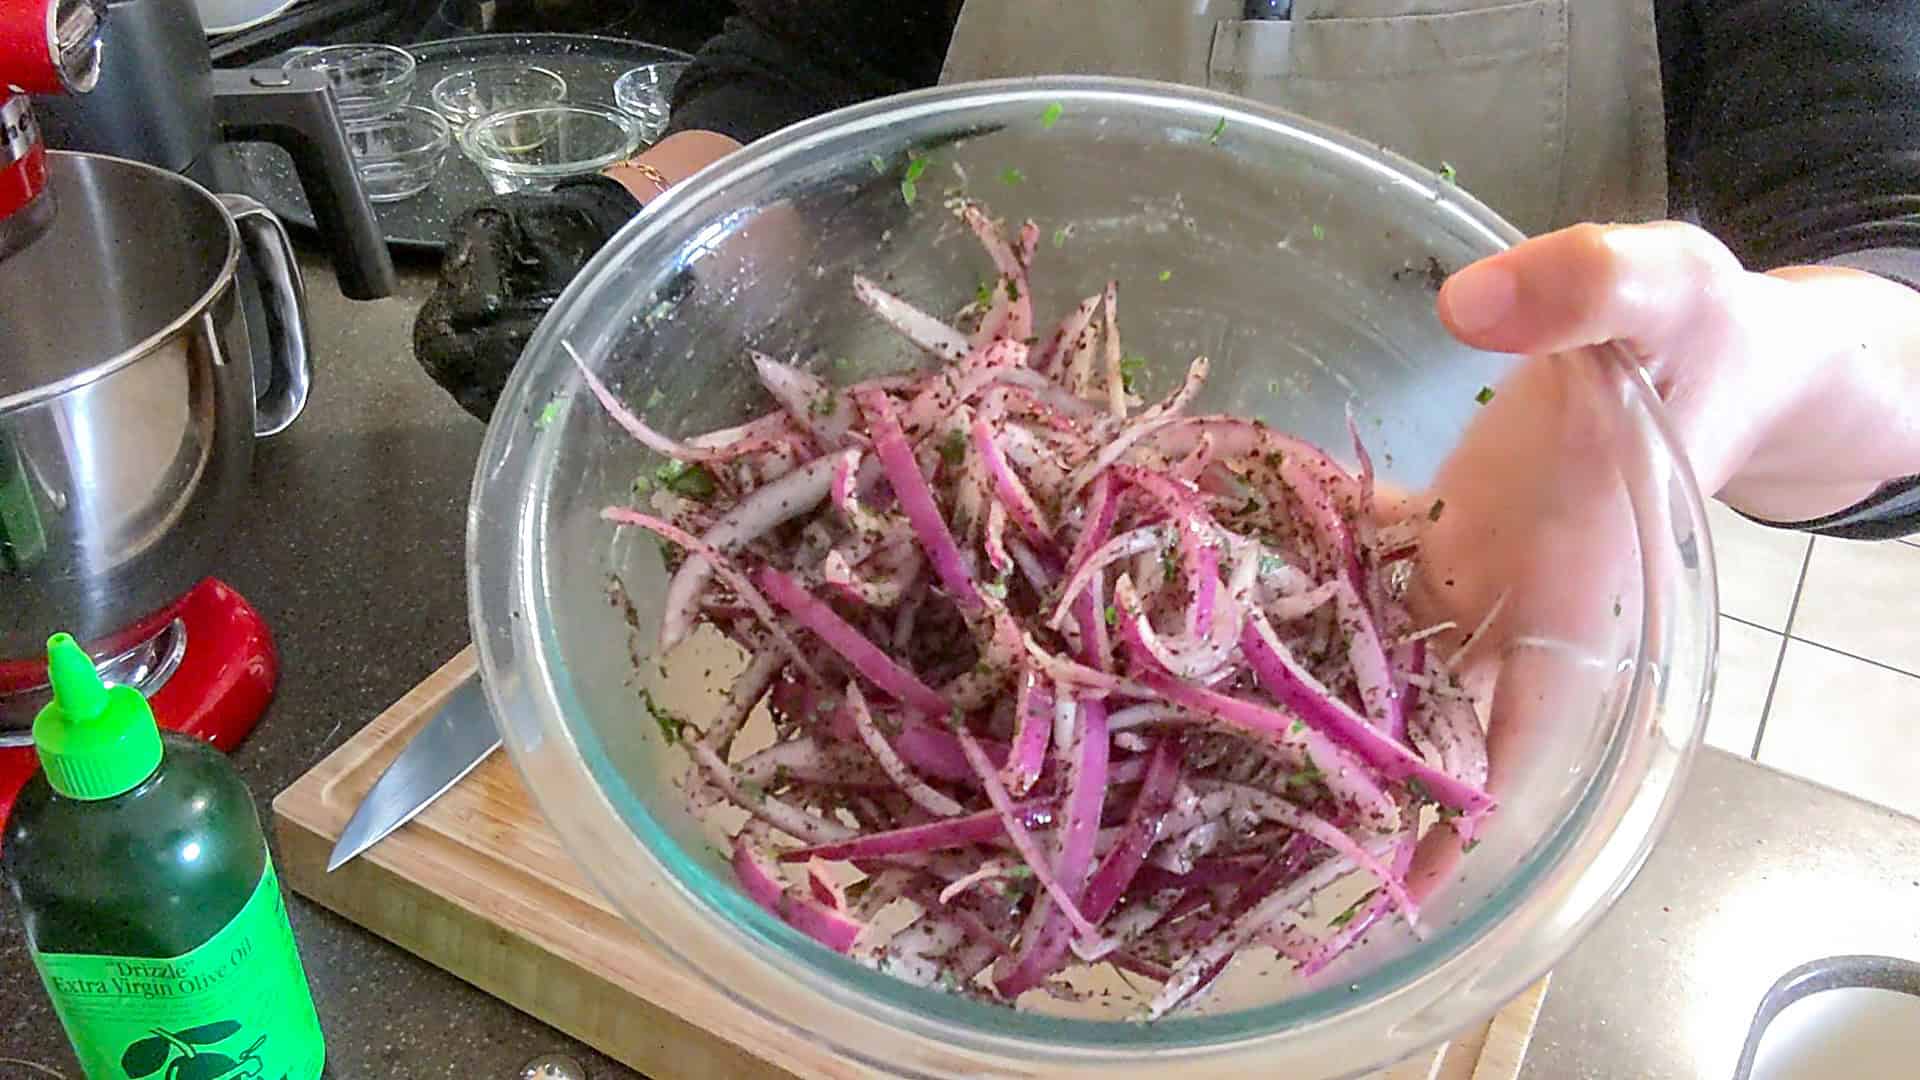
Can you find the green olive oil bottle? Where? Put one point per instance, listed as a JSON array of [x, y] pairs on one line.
[[150, 903]]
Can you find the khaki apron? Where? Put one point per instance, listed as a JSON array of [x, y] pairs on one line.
[[1548, 110]]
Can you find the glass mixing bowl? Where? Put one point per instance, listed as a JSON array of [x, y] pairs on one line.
[[1304, 263]]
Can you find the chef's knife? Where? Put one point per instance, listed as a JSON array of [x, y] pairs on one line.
[[459, 737]]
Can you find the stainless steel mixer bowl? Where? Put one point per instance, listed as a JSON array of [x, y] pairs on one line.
[[127, 411]]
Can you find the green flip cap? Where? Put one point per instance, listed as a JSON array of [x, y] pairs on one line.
[[95, 741]]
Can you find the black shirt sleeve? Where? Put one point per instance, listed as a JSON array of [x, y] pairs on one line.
[[780, 61], [1793, 127]]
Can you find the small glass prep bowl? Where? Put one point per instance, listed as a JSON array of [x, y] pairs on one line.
[[368, 80], [399, 154], [535, 148], [469, 93], [1303, 262], [646, 94]]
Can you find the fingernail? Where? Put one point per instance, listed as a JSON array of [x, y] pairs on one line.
[[1479, 296]]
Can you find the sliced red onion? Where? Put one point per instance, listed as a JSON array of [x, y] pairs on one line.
[[834, 929], [1202, 563], [819, 410], [1303, 604], [1205, 961], [915, 325], [779, 502], [743, 697], [1296, 689], [1061, 344], [1117, 396], [1451, 727], [1031, 565], [992, 871], [927, 749], [1277, 809], [1022, 839], [1032, 729], [878, 668], [1044, 941], [1352, 783], [1369, 660], [810, 761], [947, 833], [928, 799], [945, 392], [823, 887], [638, 428], [1140, 833], [1195, 463], [1125, 546], [1231, 643], [1009, 489], [738, 582], [1145, 424], [1199, 661], [1371, 911], [917, 501], [1048, 393], [1013, 272], [791, 820], [995, 541]]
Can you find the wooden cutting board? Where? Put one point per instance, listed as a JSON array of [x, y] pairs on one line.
[[479, 885]]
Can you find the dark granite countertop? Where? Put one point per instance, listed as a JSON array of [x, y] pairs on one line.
[[351, 547]]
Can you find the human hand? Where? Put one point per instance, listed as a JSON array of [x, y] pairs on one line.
[[509, 258], [507, 262], [1790, 394]]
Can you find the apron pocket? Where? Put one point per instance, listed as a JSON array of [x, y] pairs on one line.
[[1484, 90]]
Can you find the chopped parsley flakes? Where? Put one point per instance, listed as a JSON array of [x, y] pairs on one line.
[[690, 481], [953, 449], [672, 726], [1485, 395], [1052, 115], [1347, 916]]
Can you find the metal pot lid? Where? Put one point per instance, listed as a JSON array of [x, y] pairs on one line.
[[133, 253]]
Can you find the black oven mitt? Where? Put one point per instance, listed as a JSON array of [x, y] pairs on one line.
[[507, 261]]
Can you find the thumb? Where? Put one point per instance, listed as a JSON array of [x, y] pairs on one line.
[[1587, 285]]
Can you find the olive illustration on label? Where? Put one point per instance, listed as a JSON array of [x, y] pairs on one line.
[[183, 1054]]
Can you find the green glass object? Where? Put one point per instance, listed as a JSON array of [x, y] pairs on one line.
[[150, 904], [23, 539]]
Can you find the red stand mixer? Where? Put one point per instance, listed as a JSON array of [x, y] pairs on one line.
[[127, 410]]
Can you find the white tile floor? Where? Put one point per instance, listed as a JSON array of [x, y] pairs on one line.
[[1820, 658]]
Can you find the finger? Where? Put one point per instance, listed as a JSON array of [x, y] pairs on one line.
[[1587, 285]]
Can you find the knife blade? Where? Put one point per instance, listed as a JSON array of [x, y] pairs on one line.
[[458, 737]]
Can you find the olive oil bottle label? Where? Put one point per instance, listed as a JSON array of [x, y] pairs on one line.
[[237, 1006]]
